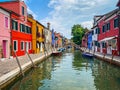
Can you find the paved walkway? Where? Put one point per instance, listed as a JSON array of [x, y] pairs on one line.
[[102, 55], [8, 65]]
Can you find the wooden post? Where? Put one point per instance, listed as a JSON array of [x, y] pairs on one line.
[[30, 59], [112, 57], [104, 56], [19, 64]]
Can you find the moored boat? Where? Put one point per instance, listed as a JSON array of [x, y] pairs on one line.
[[57, 53], [85, 54]]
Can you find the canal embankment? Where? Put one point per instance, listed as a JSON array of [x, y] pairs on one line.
[[9, 69], [106, 57]]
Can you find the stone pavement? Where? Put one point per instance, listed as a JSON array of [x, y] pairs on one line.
[[102, 55], [10, 64]]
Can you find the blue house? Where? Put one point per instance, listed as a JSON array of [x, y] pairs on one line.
[[90, 40]]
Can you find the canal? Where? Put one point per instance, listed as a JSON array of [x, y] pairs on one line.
[[70, 72]]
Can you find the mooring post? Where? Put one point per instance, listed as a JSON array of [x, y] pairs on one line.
[[104, 56], [112, 57], [18, 63], [30, 59]]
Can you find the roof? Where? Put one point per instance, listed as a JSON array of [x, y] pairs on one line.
[[40, 23], [108, 15], [111, 13], [9, 11], [10, 1], [118, 4]]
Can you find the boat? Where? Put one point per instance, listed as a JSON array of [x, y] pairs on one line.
[[61, 49], [57, 53], [86, 54]]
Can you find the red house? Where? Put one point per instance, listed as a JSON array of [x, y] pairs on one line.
[[21, 36], [109, 31]]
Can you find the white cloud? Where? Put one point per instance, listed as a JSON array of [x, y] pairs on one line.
[[66, 13], [31, 12], [87, 24]]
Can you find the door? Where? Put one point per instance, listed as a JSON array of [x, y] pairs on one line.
[[109, 50], [4, 48]]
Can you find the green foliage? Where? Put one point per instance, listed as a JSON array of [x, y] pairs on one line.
[[78, 32]]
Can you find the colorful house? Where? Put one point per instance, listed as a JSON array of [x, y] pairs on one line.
[[4, 33], [95, 32], [37, 35], [108, 33], [90, 40], [58, 40], [48, 38], [21, 37]]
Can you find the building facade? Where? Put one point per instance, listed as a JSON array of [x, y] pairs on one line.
[[48, 38], [21, 37], [5, 33], [107, 30], [37, 35]]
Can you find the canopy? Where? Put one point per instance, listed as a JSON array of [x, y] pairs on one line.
[[108, 38]]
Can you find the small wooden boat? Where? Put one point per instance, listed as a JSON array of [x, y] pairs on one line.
[[57, 53], [85, 54]]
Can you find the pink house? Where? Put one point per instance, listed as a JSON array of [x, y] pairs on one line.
[[4, 33]]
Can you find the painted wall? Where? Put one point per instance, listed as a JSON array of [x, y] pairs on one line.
[[37, 36], [90, 40], [4, 34], [113, 32]]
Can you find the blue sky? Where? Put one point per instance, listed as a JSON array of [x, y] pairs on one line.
[[63, 14]]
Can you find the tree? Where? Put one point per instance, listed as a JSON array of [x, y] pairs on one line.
[[78, 32]]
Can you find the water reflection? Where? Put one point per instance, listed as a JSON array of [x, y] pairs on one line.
[[71, 72]]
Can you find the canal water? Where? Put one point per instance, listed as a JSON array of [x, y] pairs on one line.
[[71, 72]]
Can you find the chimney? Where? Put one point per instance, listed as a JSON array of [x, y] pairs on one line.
[[48, 26]]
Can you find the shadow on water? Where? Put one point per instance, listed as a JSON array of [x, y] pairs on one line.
[[70, 72]]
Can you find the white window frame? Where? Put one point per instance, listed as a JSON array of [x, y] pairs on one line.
[[16, 45]]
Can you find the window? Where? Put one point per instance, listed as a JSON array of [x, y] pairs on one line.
[[6, 22], [22, 28], [98, 32], [115, 22], [98, 44], [103, 29], [22, 45], [15, 45], [14, 25], [103, 45], [23, 10], [93, 32], [108, 26]]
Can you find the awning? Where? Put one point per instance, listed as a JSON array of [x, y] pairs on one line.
[[108, 38]]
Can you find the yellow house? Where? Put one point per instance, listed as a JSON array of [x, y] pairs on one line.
[[37, 35]]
